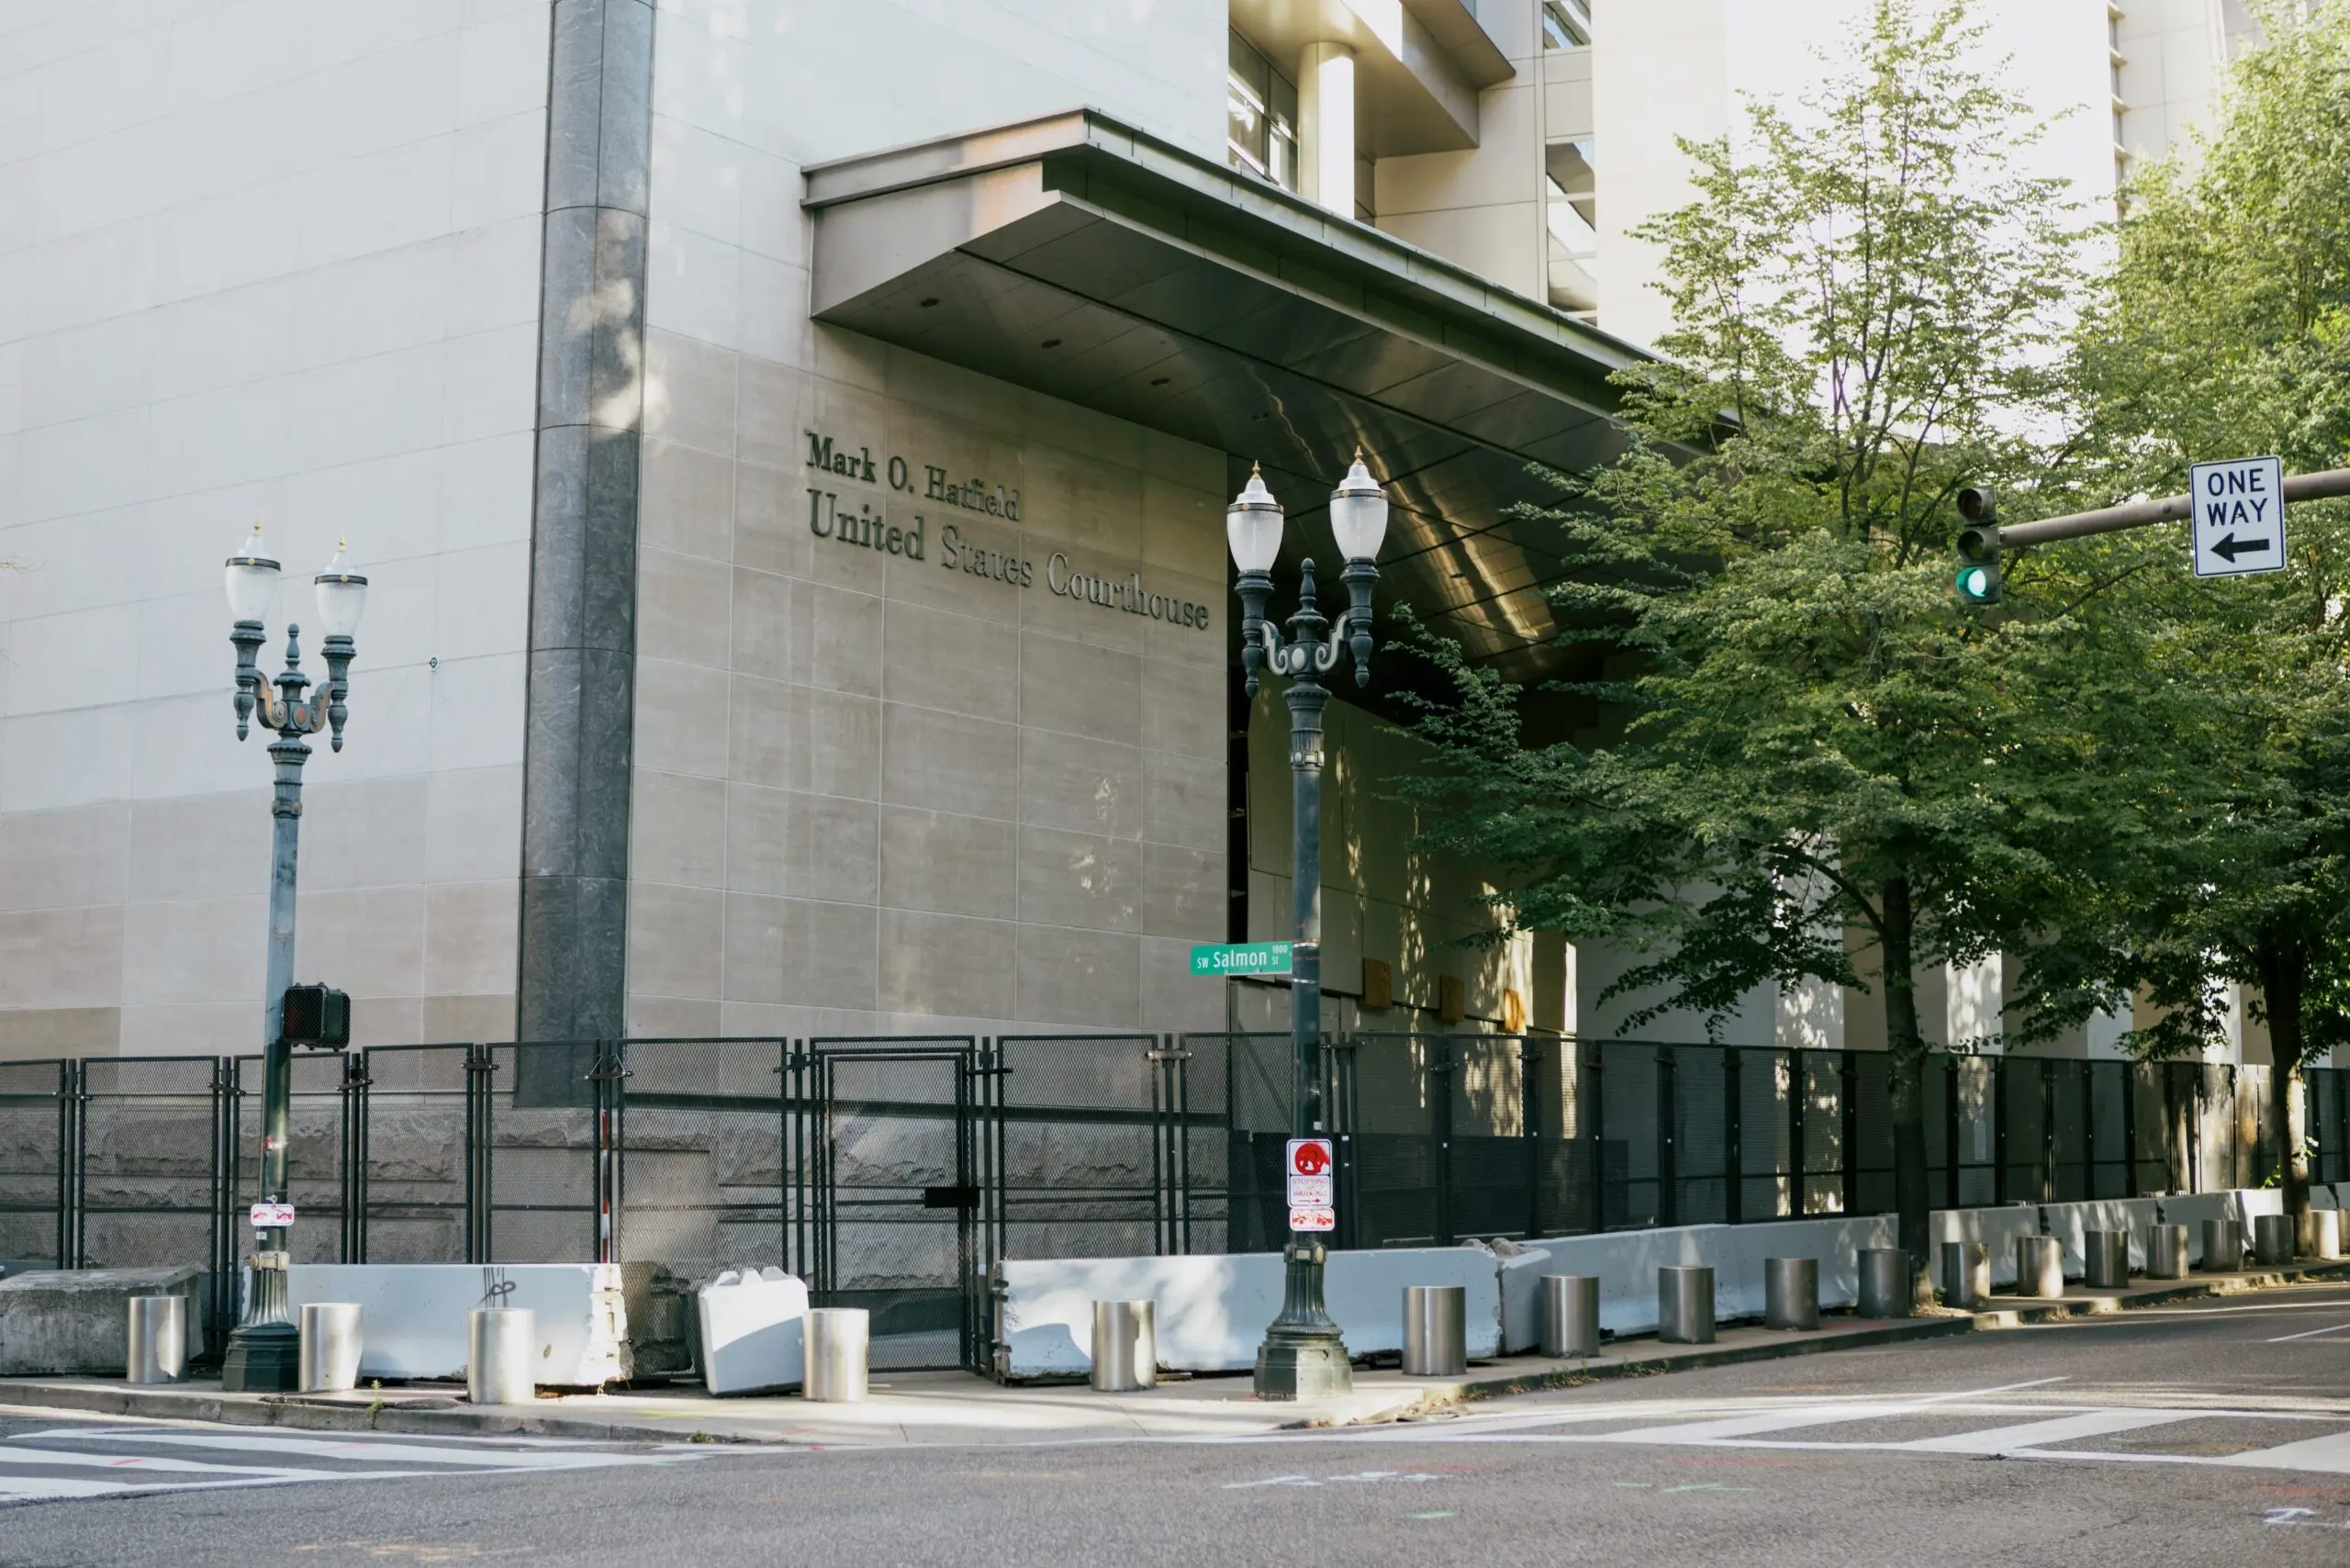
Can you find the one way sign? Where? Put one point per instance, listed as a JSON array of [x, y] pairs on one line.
[[2239, 516]]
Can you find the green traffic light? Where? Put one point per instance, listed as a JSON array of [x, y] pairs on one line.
[[1975, 582]]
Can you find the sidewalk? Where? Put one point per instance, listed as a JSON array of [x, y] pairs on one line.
[[952, 1407]]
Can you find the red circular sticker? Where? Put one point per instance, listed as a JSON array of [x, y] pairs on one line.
[[1312, 1158]]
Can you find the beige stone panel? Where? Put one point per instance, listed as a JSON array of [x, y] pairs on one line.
[[836, 637], [771, 521], [935, 659], [386, 1021], [938, 393], [674, 940], [1503, 242], [961, 555], [851, 358], [850, 514], [39, 1033], [1078, 976], [222, 1028], [200, 845], [767, 426], [682, 718], [762, 615], [369, 941], [1183, 711], [672, 1018], [758, 826], [1184, 801], [1183, 892], [458, 1018], [835, 850], [473, 824], [856, 418], [943, 964], [761, 716], [677, 829], [362, 834], [1061, 605], [949, 762], [958, 425], [800, 952], [1502, 167], [1186, 463], [1048, 421], [1080, 690], [839, 744], [1077, 879], [949, 865], [1174, 1000], [686, 501], [688, 393], [190, 950], [57, 859], [1182, 528], [470, 932], [684, 607], [1079, 784], [1081, 500]]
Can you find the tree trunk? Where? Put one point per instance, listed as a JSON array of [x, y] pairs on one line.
[[2284, 973], [1909, 1051]]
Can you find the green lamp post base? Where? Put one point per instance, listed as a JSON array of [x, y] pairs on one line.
[[1303, 1356]]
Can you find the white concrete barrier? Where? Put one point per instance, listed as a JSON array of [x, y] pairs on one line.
[[1211, 1312], [1626, 1262], [2322, 1196], [1741, 1250], [754, 1331], [415, 1315], [2191, 1209], [1997, 1229], [2067, 1221]]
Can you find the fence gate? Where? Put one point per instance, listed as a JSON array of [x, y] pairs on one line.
[[885, 1166]]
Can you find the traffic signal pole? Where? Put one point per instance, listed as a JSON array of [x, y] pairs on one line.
[[2326, 486]]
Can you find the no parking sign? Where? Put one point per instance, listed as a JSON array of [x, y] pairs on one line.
[[1311, 1200]]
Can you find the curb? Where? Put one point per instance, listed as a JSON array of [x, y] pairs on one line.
[[325, 1416]]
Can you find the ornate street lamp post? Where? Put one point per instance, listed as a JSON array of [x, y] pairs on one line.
[[1303, 1356], [263, 1349]]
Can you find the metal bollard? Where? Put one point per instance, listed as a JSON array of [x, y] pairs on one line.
[[838, 1340], [2040, 1266], [1791, 1293], [1125, 1346], [1570, 1314], [2325, 1234], [500, 1345], [327, 1359], [1966, 1274], [2272, 1239], [1684, 1304], [2166, 1252], [158, 1340], [2105, 1255], [1886, 1289], [1436, 1330], [2222, 1246]]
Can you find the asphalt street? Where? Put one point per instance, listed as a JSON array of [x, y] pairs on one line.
[[2215, 1432]]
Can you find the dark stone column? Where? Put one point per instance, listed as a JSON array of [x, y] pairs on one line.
[[578, 740]]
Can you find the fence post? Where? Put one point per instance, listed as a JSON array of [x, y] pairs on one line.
[[480, 1063], [1734, 1138], [605, 1082], [1848, 1102], [356, 1084], [69, 1163], [1440, 1068], [1999, 1130], [1668, 1167], [227, 1152], [1951, 1159], [1798, 1090], [2130, 1128], [2047, 1132], [1595, 1120]]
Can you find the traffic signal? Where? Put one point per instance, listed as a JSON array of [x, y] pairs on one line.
[[1978, 546], [316, 1015]]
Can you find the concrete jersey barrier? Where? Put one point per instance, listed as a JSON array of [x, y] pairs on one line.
[[2191, 1209], [413, 1315], [2067, 1222], [1997, 1229]]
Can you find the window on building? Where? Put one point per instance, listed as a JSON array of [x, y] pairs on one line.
[[1566, 24], [1260, 116], [1572, 218]]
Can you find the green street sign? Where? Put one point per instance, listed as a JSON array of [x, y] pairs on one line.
[[1240, 959]]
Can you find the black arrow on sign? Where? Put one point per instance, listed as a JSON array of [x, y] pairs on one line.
[[2229, 548]]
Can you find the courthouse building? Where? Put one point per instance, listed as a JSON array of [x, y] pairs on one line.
[[788, 442]]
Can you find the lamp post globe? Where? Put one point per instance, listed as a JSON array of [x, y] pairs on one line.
[[1302, 1355], [262, 1350]]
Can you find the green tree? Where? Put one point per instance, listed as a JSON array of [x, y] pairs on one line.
[[2225, 332], [1812, 748]]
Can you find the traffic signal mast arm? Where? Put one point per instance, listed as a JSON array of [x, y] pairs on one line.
[[2170, 508]]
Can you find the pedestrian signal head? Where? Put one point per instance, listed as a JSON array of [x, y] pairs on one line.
[[1978, 579]]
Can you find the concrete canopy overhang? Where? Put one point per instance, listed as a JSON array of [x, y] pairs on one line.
[[1095, 264]]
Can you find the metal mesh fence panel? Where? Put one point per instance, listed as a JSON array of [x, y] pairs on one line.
[[2112, 1125], [1972, 1085], [1821, 1078], [2068, 1101], [415, 1195], [1240, 1089], [2259, 1137], [314, 1152], [1765, 1135], [1870, 1183], [702, 1163], [154, 1180], [2326, 1124], [33, 1141], [1700, 1137], [1629, 1137], [545, 1133], [2023, 1111], [1081, 1144], [1397, 1110], [1489, 1169]]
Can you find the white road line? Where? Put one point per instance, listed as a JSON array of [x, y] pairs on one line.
[[2329, 1453], [44, 1488], [2311, 1333], [392, 1452], [68, 1458], [1752, 1425], [2040, 1434]]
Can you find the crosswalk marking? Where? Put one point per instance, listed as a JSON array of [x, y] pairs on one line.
[[92, 1462], [2042, 1434]]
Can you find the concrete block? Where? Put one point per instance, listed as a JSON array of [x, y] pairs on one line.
[[55, 1322], [1521, 1270], [754, 1329], [1997, 1229], [416, 1315], [2067, 1221]]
